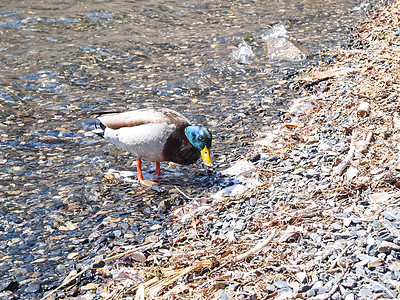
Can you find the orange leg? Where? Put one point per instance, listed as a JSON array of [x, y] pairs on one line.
[[140, 174], [158, 169]]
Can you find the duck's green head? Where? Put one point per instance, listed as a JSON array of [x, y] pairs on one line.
[[201, 138]]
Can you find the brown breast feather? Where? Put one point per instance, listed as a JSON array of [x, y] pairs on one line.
[[178, 149]]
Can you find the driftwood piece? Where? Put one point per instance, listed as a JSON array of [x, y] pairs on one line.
[[340, 167], [363, 110], [355, 150], [362, 146]]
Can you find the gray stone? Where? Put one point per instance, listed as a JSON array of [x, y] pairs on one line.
[[281, 284], [364, 260], [360, 271], [304, 288], [285, 294], [318, 284], [240, 225], [223, 295], [301, 277], [312, 174], [270, 288], [350, 296], [387, 247], [248, 289], [321, 290], [365, 293], [315, 237], [341, 235], [349, 283], [391, 215], [311, 292], [234, 286], [377, 288], [34, 287], [298, 171], [336, 227]]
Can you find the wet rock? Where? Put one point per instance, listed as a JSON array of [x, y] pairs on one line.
[[284, 48], [11, 286], [34, 287]]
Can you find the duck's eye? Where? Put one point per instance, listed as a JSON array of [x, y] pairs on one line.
[[200, 138]]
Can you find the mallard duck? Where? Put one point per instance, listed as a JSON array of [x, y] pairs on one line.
[[156, 134]]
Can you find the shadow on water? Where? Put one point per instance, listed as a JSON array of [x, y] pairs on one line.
[[64, 60]]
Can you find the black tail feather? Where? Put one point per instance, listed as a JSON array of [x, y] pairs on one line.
[[100, 127]]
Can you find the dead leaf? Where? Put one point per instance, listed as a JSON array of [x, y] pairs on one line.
[[379, 198], [289, 126], [73, 255], [89, 287], [68, 226]]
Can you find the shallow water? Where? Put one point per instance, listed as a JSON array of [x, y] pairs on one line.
[[63, 61]]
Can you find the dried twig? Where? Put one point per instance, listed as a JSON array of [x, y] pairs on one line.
[[338, 258], [356, 148], [161, 285], [340, 168], [363, 145], [334, 287], [183, 194], [256, 248]]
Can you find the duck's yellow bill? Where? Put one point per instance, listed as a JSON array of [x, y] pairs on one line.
[[205, 156]]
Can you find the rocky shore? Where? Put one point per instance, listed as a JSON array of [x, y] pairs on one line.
[[322, 219]]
